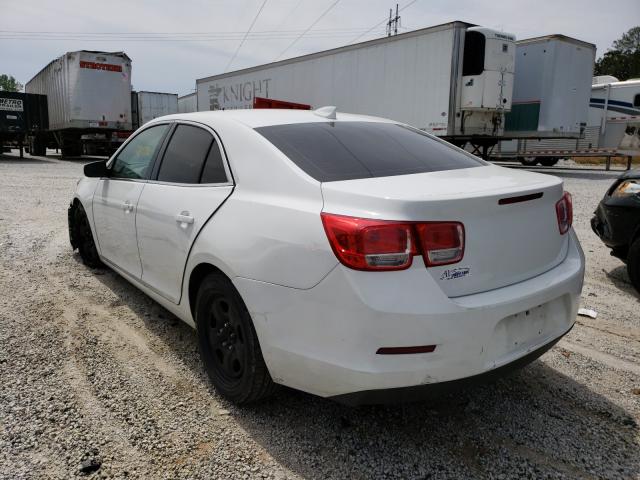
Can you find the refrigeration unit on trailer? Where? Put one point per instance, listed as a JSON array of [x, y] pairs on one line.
[[551, 90], [145, 106], [88, 93], [453, 80]]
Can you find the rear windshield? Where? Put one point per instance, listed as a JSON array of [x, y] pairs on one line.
[[330, 151]]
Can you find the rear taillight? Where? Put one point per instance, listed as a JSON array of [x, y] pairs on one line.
[[442, 242], [365, 244], [564, 212]]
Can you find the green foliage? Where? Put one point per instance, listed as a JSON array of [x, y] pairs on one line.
[[623, 61], [9, 84]]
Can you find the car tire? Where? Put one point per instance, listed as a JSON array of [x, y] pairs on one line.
[[633, 264], [529, 161], [229, 346], [82, 238]]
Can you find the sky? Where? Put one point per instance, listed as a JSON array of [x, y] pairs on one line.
[[172, 43]]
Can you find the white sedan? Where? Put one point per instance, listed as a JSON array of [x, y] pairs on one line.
[[347, 256]]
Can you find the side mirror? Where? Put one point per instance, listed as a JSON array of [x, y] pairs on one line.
[[96, 169]]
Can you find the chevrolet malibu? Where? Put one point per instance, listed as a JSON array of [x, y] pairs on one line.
[[347, 256]]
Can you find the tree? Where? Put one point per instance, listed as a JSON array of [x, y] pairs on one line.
[[623, 61], [9, 84]]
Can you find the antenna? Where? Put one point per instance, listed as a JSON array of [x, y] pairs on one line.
[[392, 24]]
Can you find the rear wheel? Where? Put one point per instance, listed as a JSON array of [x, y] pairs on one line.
[[83, 238], [229, 345], [529, 161], [633, 264], [548, 161]]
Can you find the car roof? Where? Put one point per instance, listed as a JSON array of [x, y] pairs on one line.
[[255, 118]]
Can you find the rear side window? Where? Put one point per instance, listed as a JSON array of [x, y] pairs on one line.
[[331, 151], [214, 167], [185, 156]]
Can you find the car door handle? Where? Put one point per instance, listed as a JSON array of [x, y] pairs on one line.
[[184, 217], [127, 206]]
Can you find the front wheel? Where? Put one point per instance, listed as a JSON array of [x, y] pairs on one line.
[[229, 345], [633, 264]]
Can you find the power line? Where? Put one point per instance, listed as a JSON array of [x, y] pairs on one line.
[[307, 30], [245, 36], [380, 23]]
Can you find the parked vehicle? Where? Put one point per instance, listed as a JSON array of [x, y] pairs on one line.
[[452, 80], [88, 94], [617, 222], [188, 103], [21, 114], [348, 256], [145, 106], [551, 91]]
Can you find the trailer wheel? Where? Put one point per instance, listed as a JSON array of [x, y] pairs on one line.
[[529, 161], [548, 161]]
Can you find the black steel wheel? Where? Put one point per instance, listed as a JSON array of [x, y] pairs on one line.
[[229, 345], [82, 237], [633, 264]]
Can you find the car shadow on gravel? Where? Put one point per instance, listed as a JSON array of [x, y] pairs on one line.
[[15, 160], [620, 279], [534, 423]]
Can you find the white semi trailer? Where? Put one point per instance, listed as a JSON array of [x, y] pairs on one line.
[[453, 80], [88, 94], [145, 106]]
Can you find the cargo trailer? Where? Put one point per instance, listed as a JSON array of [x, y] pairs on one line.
[[21, 115], [453, 80], [88, 95], [145, 106], [188, 103], [551, 91]]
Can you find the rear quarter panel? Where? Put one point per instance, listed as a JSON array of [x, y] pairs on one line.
[[269, 229]]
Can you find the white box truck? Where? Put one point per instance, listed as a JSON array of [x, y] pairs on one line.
[[88, 94], [453, 80], [145, 106]]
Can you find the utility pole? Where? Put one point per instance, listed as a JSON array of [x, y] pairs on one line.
[[392, 24]]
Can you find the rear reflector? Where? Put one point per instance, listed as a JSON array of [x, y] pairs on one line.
[[564, 212], [366, 244], [405, 350]]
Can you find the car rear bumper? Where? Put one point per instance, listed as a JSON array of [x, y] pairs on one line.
[[324, 340]]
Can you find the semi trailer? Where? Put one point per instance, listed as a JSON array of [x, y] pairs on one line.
[[21, 115], [88, 99], [145, 106], [453, 80], [551, 91]]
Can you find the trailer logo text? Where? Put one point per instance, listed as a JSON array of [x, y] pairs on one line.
[[234, 96], [100, 66], [11, 104]]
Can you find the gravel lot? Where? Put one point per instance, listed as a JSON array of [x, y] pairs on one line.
[[96, 376]]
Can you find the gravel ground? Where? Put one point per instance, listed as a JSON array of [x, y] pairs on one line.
[[97, 380]]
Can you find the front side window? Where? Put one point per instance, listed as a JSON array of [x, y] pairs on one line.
[[135, 159], [636, 100], [185, 156], [332, 151]]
